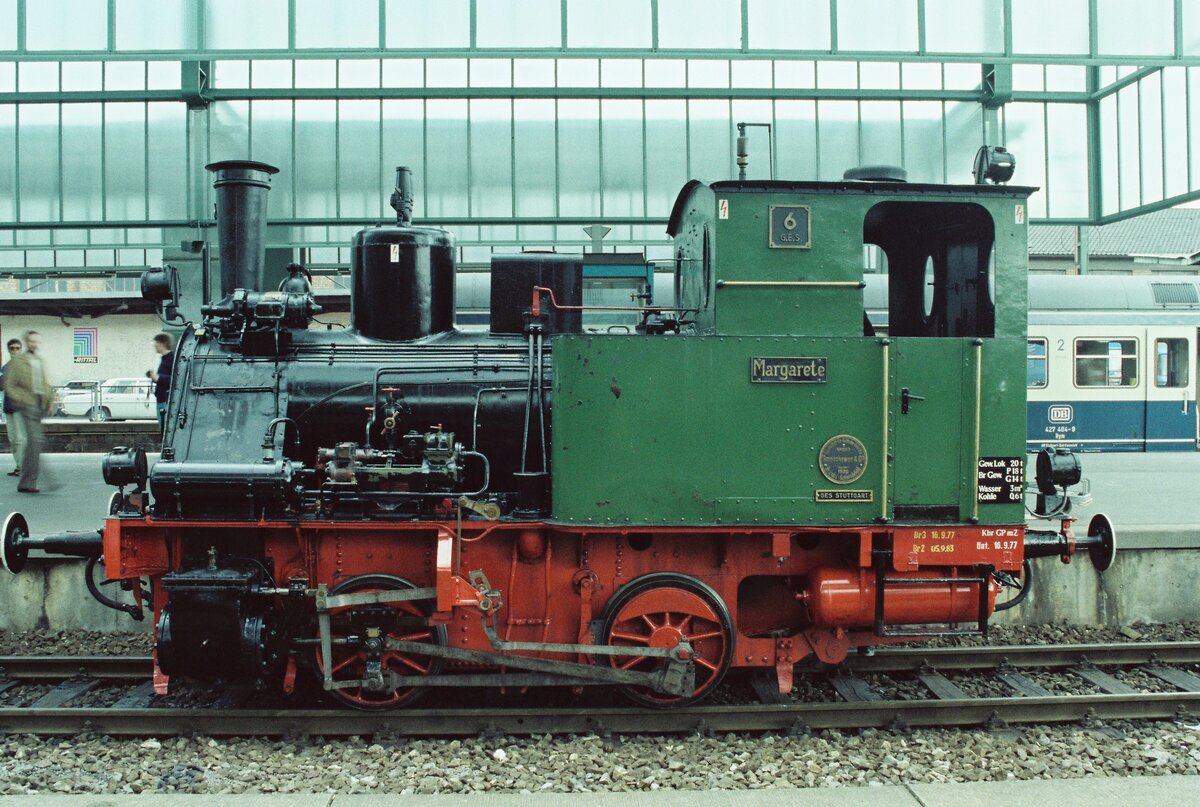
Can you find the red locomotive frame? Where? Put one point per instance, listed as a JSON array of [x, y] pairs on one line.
[[814, 591]]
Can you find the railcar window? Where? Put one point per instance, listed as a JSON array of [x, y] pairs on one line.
[[1035, 363], [1171, 362], [1106, 363]]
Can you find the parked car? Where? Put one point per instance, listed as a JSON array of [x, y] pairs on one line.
[[115, 399]]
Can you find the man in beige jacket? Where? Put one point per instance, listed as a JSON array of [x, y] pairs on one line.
[[16, 429], [26, 385]]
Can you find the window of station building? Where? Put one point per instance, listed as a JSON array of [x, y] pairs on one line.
[[1106, 363], [1035, 364], [938, 257], [1171, 362]]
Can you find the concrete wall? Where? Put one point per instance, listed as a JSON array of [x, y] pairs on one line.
[[50, 595], [79, 436], [124, 345], [1144, 585]]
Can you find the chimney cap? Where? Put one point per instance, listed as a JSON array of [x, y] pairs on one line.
[[246, 165]]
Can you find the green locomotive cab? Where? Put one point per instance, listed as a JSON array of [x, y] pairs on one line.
[[780, 402]]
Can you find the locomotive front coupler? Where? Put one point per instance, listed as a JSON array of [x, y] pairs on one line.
[[17, 542], [1100, 542]]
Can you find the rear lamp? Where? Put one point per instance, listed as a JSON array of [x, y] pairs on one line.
[[1057, 468]]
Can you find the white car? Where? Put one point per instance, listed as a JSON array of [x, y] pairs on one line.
[[115, 399], [71, 386]]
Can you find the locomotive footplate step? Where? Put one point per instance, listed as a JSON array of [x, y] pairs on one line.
[[139, 697], [854, 689], [1182, 679], [941, 686], [1024, 686], [64, 692], [1103, 680]]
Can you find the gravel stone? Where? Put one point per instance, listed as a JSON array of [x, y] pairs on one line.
[[101, 764], [1063, 633], [75, 643]]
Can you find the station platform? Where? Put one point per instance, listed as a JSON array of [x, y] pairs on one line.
[[81, 435], [1149, 791]]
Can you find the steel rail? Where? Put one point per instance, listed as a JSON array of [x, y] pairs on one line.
[[1045, 656], [38, 668], [459, 723], [888, 659]]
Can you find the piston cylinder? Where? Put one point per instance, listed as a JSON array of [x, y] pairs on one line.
[[847, 598]]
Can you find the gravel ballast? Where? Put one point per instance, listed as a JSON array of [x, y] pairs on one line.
[[90, 764], [101, 764], [75, 643], [96, 643]]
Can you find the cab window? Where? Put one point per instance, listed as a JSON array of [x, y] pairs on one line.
[[939, 261]]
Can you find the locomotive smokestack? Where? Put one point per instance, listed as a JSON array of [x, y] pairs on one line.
[[242, 187], [402, 197]]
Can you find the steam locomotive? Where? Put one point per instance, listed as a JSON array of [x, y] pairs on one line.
[[751, 480]]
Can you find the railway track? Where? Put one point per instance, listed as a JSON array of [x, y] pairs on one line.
[[945, 704]]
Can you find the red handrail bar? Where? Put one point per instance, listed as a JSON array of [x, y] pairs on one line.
[[537, 304]]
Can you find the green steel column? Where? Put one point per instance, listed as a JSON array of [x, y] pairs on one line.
[[1094, 172]]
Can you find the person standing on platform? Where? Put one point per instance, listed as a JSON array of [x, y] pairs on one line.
[[25, 382], [16, 429], [162, 377]]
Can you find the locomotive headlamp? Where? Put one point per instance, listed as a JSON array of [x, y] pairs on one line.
[[125, 466], [993, 164], [1056, 468], [160, 284]]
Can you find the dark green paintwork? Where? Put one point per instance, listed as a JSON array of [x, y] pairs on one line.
[[674, 432], [670, 429]]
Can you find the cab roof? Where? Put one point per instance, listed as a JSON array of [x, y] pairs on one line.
[[842, 186]]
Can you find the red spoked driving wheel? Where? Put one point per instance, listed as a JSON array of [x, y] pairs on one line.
[[661, 610], [400, 621]]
